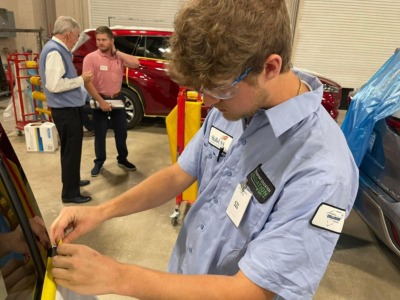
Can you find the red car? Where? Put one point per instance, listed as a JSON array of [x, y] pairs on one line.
[[148, 90]]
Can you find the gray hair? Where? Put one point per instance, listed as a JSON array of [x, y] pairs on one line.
[[64, 24]]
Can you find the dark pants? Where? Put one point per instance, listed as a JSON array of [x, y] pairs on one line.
[[86, 117], [68, 122], [100, 125]]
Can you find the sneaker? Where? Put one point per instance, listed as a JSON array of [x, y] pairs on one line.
[[127, 165], [96, 170]]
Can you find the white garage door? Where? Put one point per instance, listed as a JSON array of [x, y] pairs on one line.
[[346, 40], [147, 13]]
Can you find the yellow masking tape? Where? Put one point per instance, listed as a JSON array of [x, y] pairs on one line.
[[49, 285], [43, 111], [39, 96], [35, 80]]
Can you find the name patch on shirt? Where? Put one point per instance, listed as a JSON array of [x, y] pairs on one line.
[[220, 139], [103, 68], [259, 184], [329, 217]]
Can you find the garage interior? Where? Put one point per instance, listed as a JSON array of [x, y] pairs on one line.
[[362, 267]]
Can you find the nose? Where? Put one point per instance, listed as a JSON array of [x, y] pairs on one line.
[[210, 100]]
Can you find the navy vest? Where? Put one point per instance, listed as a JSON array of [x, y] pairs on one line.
[[71, 98]]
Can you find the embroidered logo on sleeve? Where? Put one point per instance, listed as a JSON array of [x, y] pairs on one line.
[[329, 217], [259, 184]]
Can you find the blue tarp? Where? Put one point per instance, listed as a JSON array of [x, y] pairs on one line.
[[377, 99]]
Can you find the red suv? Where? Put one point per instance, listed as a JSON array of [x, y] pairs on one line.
[[148, 90]]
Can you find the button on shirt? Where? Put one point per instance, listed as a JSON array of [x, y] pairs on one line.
[[304, 154], [107, 71]]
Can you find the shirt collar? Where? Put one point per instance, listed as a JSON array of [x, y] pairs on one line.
[[60, 42], [104, 55], [287, 114]]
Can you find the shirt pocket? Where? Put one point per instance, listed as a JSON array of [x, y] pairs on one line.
[[234, 249]]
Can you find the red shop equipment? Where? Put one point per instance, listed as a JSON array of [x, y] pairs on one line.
[[182, 124], [22, 67]]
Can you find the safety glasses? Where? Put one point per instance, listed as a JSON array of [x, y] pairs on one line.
[[227, 91]]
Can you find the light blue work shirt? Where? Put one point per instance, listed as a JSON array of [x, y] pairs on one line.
[[305, 156]]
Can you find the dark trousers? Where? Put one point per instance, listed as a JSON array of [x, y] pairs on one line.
[[100, 125], [86, 117], [68, 122]]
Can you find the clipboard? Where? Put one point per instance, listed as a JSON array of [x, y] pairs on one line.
[[114, 103]]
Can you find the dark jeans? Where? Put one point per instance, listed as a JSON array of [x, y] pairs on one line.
[[68, 122], [100, 125]]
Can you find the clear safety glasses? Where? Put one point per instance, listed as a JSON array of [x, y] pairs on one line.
[[227, 91]]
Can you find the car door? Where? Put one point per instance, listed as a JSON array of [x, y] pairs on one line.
[[382, 159]]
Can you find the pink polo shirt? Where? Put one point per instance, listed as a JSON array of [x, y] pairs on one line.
[[107, 71]]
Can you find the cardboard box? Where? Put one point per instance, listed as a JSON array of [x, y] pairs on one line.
[[41, 137]]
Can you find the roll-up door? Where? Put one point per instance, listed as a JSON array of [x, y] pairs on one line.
[[146, 13], [346, 40]]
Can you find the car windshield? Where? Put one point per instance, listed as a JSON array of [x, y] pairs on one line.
[[83, 37]]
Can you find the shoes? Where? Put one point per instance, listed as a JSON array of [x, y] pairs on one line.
[[84, 182], [77, 200], [127, 165], [96, 170], [88, 133]]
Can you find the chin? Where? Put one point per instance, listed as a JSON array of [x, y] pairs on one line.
[[231, 117]]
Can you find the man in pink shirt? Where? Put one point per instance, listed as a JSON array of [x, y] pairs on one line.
[[107, 65]]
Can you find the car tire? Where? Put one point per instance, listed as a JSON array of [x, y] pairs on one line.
[[133, 106]]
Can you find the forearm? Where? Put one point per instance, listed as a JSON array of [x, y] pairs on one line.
[[129, 60], [144, 283], [152, 192], [55, 71], [93, 92]]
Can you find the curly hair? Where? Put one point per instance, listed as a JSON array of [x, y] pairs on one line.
[[214, 41]]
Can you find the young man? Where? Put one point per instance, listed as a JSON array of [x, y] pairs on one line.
[[276, 178], [107, 65], [63, 89]]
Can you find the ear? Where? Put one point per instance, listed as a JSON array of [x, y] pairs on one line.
[[272, 66]]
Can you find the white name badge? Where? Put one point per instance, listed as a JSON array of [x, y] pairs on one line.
[[103, 68], [237, 207], [329, 217], [220, 139]]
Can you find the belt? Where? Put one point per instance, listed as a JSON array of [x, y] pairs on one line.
[[111, 96]]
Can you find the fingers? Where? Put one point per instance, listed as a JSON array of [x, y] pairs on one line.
[[87, 76], [63, 227], [106, 107]]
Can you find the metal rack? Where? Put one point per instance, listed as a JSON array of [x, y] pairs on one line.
[[22, 62]]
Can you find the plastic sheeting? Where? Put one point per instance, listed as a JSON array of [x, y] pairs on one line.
[[377, 99]]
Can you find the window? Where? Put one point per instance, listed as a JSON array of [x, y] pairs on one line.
[[126, 44], [153, 47]]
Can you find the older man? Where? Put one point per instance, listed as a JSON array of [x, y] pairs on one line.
[[65, 96]]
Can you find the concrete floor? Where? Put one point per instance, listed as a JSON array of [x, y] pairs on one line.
[[361, 266]]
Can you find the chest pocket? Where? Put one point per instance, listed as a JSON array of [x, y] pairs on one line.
[[234, 248]]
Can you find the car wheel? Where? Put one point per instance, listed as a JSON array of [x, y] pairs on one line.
[[133, 106]]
